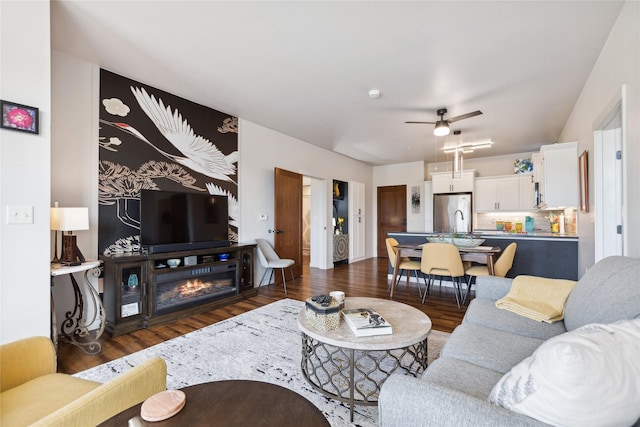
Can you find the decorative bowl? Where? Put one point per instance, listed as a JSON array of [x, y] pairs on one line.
[[440, 239], [467, 243], [461, 242], [173, 262]]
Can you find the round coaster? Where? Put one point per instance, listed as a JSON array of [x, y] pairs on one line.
[[162, 405]]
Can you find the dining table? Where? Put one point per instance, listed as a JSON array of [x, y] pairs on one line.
[[480, 254]]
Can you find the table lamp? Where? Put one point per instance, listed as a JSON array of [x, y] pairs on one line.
[[69, 219]]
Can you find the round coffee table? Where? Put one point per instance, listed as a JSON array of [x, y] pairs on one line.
[[234, 403], [352, 369]]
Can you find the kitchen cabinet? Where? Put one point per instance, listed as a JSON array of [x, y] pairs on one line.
[[504, 193], [357, 249], [558, 184], [536, 159], [526, 185], [443, 182]]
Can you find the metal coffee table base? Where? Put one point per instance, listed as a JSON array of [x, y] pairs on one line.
[[355, 376]]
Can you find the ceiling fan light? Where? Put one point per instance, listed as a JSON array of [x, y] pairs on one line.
[[442, 128]]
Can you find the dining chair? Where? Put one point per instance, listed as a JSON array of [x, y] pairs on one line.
[[500, 268], [406, 264], [442, 259], [269, 259]]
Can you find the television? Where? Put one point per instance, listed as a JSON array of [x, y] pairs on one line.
[[174, 221]]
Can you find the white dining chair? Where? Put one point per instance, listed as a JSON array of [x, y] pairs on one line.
[[270, 260]]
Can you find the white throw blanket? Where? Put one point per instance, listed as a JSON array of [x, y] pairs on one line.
[[537, 298]]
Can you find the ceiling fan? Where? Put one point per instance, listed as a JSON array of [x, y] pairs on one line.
[[442, 125]]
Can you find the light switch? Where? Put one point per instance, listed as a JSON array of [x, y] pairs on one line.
[[263, 217], [19, 214]]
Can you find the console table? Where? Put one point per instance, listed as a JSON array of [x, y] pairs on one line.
[[75, 326]]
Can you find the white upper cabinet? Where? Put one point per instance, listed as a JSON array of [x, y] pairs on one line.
[[559, 181], [526, 185], [504, 193], [442, 182]]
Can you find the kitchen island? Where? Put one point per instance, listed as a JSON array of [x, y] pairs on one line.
[[538, 254]]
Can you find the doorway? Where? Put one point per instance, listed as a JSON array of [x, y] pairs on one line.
[[314, 201], [290, 221], [608, 183], [392, 213], [287, 217]]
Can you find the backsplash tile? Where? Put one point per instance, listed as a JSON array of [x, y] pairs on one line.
[[487, 221]]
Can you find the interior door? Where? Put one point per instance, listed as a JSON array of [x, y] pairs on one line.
[[287, 217], [392, 213], [608, 191]]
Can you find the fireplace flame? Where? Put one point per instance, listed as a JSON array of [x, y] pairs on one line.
[[193, 287]]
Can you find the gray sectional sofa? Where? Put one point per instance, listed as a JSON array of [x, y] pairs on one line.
[[454, 389]]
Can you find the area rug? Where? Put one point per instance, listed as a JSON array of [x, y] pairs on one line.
[[261, 345]]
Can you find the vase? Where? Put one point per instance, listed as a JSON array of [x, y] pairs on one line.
[[133, 281]]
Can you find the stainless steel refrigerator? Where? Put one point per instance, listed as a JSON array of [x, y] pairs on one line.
[[452, 213]]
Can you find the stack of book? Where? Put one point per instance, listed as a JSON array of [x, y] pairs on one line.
[[365, 322]]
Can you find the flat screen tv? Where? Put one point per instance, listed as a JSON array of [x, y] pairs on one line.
[[174, 221]]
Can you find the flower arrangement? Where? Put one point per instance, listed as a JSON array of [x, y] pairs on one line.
[[340, 223]]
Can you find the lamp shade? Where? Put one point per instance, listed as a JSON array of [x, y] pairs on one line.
[[69, 219], [442, 128]]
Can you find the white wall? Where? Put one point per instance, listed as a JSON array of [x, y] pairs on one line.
[[261, 150], [25, 171], [409, 174], [618, 64], [74, 157]]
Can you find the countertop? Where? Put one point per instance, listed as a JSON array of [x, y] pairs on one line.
[[495, 234]]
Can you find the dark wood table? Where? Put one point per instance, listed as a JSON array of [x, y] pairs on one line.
[[481, 255], [236, 403]]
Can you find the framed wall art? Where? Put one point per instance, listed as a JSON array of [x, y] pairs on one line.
[[583, 179], [19, 117]]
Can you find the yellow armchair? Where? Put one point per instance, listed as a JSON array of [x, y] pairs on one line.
[[32, 393]]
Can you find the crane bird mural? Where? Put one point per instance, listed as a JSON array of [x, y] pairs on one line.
[[190, 147]]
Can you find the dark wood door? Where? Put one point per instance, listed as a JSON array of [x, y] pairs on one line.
[[287, 218], [392, 213]]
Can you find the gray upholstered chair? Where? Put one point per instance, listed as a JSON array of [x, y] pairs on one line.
[[269, 259]]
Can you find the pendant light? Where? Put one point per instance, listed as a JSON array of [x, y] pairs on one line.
[[456, 170]]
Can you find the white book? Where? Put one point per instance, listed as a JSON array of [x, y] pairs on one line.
[[365, 322]]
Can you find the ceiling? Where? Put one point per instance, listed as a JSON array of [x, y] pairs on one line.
[[305, 68]]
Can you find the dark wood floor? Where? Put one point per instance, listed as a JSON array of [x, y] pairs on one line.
[[364, 278]]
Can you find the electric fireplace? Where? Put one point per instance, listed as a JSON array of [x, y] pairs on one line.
[[184, 288]]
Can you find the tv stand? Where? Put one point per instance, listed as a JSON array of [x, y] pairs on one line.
[[133, 283]]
